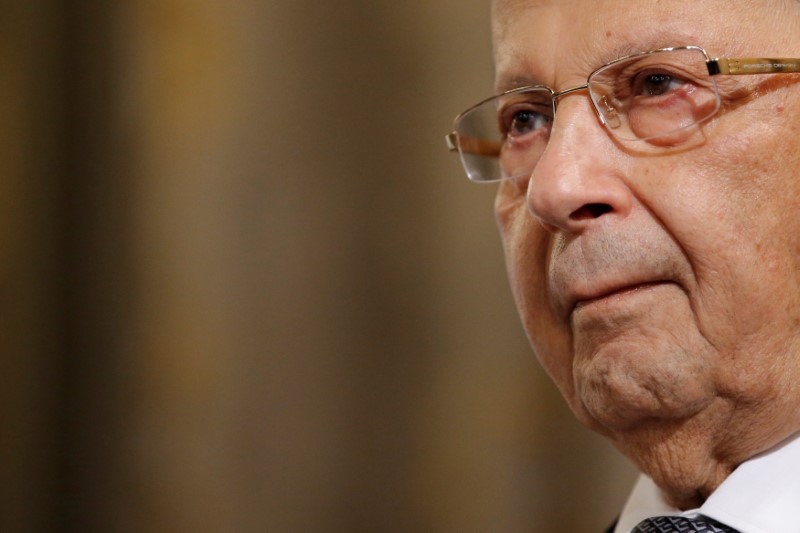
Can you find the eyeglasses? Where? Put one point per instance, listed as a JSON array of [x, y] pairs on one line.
[[661, 96]]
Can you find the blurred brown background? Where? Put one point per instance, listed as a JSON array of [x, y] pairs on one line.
[[244, 287]]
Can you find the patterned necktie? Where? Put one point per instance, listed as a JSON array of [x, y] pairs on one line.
[[680, 524]]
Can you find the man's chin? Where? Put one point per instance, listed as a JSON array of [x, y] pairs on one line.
[[622, 404]]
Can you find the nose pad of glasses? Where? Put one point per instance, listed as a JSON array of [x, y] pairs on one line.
[[609, 112]]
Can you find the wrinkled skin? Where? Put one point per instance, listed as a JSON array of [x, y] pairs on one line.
[[662, 293]]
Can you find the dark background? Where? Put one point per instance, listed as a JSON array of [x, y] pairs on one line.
[[244, 287]]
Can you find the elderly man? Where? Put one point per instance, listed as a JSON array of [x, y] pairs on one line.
[[648, 160]]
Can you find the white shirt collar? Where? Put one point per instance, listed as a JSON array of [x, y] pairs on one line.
[[761, 496]]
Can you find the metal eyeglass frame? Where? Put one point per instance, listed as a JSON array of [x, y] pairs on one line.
[[725, 66]]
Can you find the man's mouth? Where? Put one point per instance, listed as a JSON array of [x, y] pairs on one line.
[[612, 293]]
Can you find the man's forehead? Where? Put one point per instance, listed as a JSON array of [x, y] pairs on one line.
[[501, 6], [505, 8], [505, 11], [580, 35], [567, 17], [532, 37]]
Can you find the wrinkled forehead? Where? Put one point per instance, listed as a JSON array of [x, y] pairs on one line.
[[552, 40], [654, 11]]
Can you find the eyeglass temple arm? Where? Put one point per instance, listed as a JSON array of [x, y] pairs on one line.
[[752, 65], [472, 145]]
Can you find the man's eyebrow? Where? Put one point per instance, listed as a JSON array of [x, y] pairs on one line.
[[628, 48], [506, 83], [515, 82]]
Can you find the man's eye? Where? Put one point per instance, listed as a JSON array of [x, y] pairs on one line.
[[525, 121], [658, 84]]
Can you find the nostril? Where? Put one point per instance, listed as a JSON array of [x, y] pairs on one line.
[[590, 211]]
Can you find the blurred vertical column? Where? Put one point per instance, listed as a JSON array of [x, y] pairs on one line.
[[30, 302], [99, 344], [229, 341], [204, 344], [245, 266], [145, 445]]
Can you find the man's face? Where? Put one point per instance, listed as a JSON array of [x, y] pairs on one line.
[[662, 292]]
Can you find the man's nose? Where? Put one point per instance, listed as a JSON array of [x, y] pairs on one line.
[[580, 177]]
